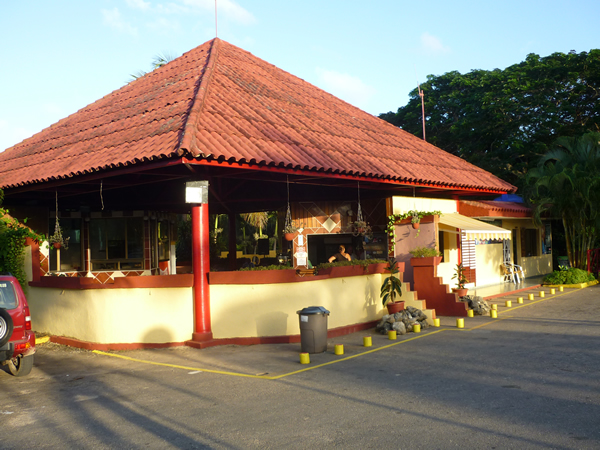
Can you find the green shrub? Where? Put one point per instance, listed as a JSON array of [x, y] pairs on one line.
[[568, 276], [424, 252], [355, 262], [271, 267]]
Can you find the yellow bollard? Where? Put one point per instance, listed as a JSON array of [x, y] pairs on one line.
[[494, 314], [460, 323], [508, 304], [339, 349], [436, 322], [494, 307], [304, 358], [470, 313], [552, 291], [392, 335], [520, 300], [561, 288], [530, 296], [416, 328], [367, 341], [542, 293]]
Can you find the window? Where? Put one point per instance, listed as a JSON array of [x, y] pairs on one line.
[[529, 242], [117, 243], [70, 257], [8, 296], [164, 243]]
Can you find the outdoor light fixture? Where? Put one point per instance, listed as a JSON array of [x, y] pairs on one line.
[[196, 192]]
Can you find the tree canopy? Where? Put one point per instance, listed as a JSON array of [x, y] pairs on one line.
[[566, 185], [505, 120]]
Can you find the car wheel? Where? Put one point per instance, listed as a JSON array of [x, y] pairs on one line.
[[21, 365], [6, 326]]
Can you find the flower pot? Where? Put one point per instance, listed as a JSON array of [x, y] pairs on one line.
[[461, 292], [395, 307], [416, 225], [56, 245], [427, 261], [289, 236]]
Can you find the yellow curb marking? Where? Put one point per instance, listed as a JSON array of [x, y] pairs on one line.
[[175, 366], [347, 358], [42, 340]]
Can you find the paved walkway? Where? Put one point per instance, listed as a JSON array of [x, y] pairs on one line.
[[505, 288], [528, 379]]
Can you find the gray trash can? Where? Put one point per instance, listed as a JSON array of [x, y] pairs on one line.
[[313, 329]]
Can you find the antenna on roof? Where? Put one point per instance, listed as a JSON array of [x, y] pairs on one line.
[[422, 95], [216, 23]]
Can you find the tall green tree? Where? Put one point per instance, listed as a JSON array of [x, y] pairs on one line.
[[505, 120], [12, 244], [566, 185]]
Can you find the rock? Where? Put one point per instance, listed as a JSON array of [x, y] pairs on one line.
[[399, 328], [391, 319]]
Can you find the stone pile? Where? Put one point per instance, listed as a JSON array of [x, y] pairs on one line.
[[479, 306], [402, 322]]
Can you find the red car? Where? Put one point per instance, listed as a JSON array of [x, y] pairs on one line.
[[17, 341]]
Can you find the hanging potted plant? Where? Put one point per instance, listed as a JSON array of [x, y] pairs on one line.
[[461, 280], [289, 231], [57, 240], [415, 220], [391, 288]]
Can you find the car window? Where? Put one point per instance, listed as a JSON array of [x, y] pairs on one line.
[[8, 296]]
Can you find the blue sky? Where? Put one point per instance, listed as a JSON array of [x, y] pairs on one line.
[[61, 55]]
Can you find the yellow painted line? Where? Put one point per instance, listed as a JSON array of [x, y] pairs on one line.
[[264, 377], [347, 358], [42, 340], [355, 356], [175, 366], [542, 299]]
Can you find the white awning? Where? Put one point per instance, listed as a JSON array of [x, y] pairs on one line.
[[474, 229]]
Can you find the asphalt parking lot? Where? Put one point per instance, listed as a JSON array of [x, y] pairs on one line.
[[528, 379]]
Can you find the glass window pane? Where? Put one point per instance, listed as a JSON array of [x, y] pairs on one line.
[[135, 238], [115, 238], [98, 238]]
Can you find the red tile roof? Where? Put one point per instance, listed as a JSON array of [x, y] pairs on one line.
[[220, 102], [491, 208]]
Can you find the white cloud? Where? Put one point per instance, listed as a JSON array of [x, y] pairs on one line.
[[112, 18], [138, 4], [227, 8], [347, 87], [432, 44]]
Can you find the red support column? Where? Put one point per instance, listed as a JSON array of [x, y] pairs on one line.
[[201, 268]]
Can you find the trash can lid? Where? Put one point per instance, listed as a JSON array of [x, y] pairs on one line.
[[313, 310]]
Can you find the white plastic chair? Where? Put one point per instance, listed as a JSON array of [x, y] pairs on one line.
[[519, 272], [509, 273]]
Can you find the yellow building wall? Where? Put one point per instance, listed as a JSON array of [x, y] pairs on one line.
[[489, 257], [401, 205], [105, 316], [270, 309], [536, 265]]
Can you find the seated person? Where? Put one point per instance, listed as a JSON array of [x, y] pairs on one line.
[[340, 256]]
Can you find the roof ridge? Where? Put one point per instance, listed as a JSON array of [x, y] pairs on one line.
[[188, 138]]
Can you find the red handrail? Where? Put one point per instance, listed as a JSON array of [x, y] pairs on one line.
[[593, 260]]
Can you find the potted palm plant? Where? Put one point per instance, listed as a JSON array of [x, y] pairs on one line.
[[391, 288], [461, 280]]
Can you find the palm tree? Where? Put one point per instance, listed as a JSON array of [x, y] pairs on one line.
[[565, 185], [158, 61]]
